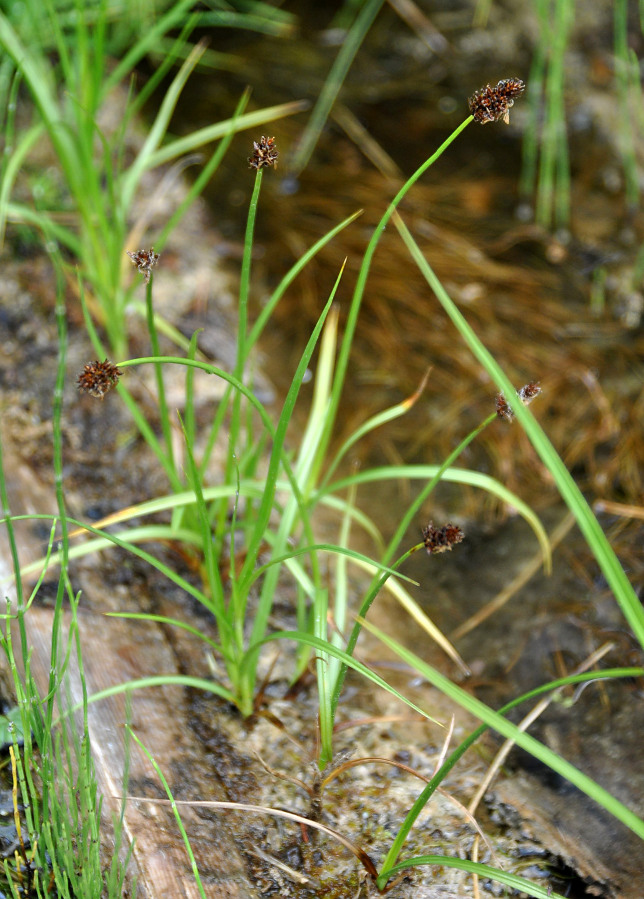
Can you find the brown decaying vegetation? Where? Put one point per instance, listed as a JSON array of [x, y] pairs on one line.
[[523, 293]]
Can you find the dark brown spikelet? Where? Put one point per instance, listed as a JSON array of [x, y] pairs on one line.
[[145, 260], [526, 394], [503, 408], [439, 540], [265, 153], [489, 104], [97, 378]]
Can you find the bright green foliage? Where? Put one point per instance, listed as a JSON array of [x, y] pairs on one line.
[[98, 184], [545, 177], [259, 515]]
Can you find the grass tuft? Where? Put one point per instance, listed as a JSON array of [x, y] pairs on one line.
[[253, 527]]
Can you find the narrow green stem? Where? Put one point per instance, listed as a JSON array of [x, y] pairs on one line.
[[468, 742], [242, 351], [379, 581], [244, 282], [46, 742], [354, 310], [166, 424], [7, 520], [175, 810], [367, 12]]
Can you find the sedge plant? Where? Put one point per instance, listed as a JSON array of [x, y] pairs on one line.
[[272, 504], [604, 554], [269, 506], [598, 543], [287, 490], [606, 559], [259, 495]]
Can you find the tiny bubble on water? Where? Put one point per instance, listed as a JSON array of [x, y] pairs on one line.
[[289, 185]]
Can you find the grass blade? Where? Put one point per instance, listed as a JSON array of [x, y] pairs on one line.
[[132, 177], [175, 811], [520, 884], [367, 12], [501, 725], [198, 138], [570, 492]]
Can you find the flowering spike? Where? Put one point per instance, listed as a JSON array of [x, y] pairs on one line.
[[145, 260], [526, 394], [503, 408], [438, 540], [489, 104], [98, 378], [265, 153]]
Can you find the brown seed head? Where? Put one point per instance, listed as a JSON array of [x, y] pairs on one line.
[[526, 394], [145, 260], [503, 408], [265, 153], [97, 378], [439, 540], [489, 104]]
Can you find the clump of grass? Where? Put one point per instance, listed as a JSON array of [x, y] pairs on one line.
[[546, 165], [59, 841], [60, 849], [70, 100], [545, 175], [270, 489], [308, 482], [209, 517]]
